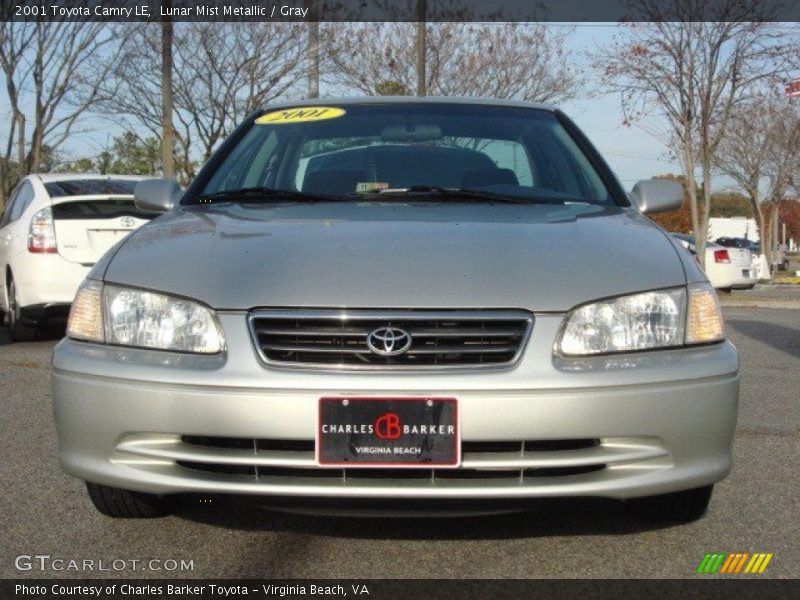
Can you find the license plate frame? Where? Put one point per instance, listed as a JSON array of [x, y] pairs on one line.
[[362, 447]]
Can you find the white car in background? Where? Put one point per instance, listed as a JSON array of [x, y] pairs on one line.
[[52, 231], [726, 268]]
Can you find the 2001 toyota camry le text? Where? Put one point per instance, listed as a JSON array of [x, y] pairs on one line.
[[388, 303]]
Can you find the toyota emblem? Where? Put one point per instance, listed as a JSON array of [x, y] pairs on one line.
[[388, 341], [127, 221]]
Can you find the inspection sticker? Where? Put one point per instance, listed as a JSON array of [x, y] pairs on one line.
[[300, 115], [363, 187]]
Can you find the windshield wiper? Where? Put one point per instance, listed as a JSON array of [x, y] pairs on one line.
[[252, 194], [460, 193]]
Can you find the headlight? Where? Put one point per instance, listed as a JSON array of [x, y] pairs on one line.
[[128, 317], [644, 321]]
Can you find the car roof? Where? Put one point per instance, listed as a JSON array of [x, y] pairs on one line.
[[457, 100], [54, 177]]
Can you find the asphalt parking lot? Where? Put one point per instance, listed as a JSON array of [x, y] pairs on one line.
[[757, 509]]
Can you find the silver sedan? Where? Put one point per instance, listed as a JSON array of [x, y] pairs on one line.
[[394, 303]]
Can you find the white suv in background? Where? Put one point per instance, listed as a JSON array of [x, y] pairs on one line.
[[52, 231]]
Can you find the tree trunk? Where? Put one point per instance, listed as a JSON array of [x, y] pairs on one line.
[[5, 165], [35, 153], [21, 147], [421, 42], [701, 235], [763, 229], [167, 156], [313, 52], [5, 190], [691, 189]]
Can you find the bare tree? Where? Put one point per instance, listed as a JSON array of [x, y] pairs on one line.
[[761, 153], [527, 61], [53, 76], [693, 73], [221, 72]]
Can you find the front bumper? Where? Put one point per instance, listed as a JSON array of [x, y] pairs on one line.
[[619, 427]]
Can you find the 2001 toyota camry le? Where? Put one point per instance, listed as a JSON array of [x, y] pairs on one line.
[[395, 303]]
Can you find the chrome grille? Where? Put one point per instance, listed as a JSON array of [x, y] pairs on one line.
[[439, 339], [263, 459], [488, 468]]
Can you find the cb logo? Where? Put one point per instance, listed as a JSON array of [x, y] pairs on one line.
[[387, 426]]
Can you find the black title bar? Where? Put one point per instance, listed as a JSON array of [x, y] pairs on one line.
[[400, 10], [707, 588]]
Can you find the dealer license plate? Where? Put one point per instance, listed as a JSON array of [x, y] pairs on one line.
[[413, 432]]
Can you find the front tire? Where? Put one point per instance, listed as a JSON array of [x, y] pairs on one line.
[[125, 504], [18, 330], [678, 507]]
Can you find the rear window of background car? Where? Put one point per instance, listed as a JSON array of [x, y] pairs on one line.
[[89, 187], [100, 209]]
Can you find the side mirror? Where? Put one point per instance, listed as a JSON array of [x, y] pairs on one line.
[[157, 195], [657, 195]]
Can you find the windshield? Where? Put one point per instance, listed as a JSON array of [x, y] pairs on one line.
[[372, 149]]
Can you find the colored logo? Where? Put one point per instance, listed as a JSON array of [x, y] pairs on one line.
[[734, 563], [387, 426]]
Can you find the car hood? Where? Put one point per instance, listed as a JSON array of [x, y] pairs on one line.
[[391, 255]]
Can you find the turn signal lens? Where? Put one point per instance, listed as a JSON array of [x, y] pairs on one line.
[[86, 315], [704, 319]]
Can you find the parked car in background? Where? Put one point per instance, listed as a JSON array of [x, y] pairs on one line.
[[780, 258], [726, 268], [459, 309], [54, 228]]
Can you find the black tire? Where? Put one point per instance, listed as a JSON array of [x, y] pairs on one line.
[[678, 507], [124, 504], [18, 330]]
